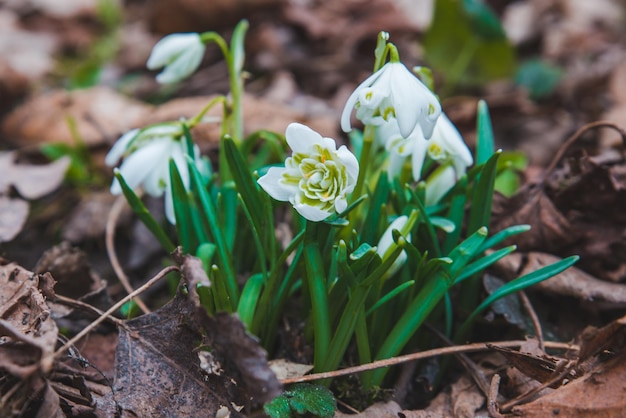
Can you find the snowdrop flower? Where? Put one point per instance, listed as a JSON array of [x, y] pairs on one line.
[[146, 155], [180, 54], [439, 183], [445, 145], [393, 93], [386, 241], [317, 178]]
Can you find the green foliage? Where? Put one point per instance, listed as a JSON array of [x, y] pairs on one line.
[[466, 44], [301, 399], [538, 77]]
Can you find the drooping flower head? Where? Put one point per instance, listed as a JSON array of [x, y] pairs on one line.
[[180, 54], [393, 93], [146, 155], [317, 178], [446, 146], [386, 242]]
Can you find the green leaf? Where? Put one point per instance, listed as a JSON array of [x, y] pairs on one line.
[[539, 78], [249, 298], [483, 20], [143, 214], [462, 43], [302, 398], [503, 235], [485, 143], [482, 263], [516, 285], [482, 196]]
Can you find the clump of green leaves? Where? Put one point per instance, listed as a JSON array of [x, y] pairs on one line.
[[301, 399]]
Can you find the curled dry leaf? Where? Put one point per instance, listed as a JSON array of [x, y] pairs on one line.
[[13, 214], [27, 334], [572, 282], [31, 181], [600, 393]]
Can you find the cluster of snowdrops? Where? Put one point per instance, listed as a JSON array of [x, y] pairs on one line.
[[382, 235]]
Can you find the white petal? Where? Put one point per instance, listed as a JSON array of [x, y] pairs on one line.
[[301, 138], [346, 126], [396, 162], [182, 67], [167, 48], [118, 149], [161, 129], [271, 183], [438, 184], [169, 206], [417, 158], [139, 165], [341, 204], [311, 213], [178, 154], [349, 161], [406, 96], [387, 239]]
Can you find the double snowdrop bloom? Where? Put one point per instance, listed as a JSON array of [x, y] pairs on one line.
[[146, 155], [393, 93], [446, 146], [386, 243], [317, 178], [180, 54]]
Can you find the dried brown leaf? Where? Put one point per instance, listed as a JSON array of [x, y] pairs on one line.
[[158, 371], [531, 206], [100, 115], [379, 410], [463, 401], [572, 282], [31, 181], [598, 394], [13, 214]]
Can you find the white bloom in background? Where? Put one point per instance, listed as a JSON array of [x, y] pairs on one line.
[[445, 146], [317, 178], [386, 242], [180, 54], [393, 93], [146, 155], [439, 183]]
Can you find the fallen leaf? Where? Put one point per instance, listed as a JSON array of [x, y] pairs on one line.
[[572, 282], [27, 335], [31, 181], [100, 115], [531, 206], [157, 371], [378, 410], [594, 340], [284, 369], [600, 393], [70, 268], [463, 401], [13, 214]]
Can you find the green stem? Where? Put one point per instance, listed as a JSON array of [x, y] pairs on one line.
[[316, 280], [460, 65]]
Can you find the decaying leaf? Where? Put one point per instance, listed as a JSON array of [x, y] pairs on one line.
[[378, 410], [27, 335], [600, 393], [13, 214], [31, 181], [531, 206], [284, 369], [157, 371], [572, 282], [99, 113], [610, 337]]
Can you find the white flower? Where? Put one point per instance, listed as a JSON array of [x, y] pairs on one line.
[[439, 183], [393, 93], [317, 178], [445, 146], [179, 53], [146, 155], [386, 243]]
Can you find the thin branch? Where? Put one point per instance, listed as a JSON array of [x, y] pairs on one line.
[[467, 348], [114, 215], [528, 306], [64, 300], [492, 399], [568, 143], [48, 360]]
